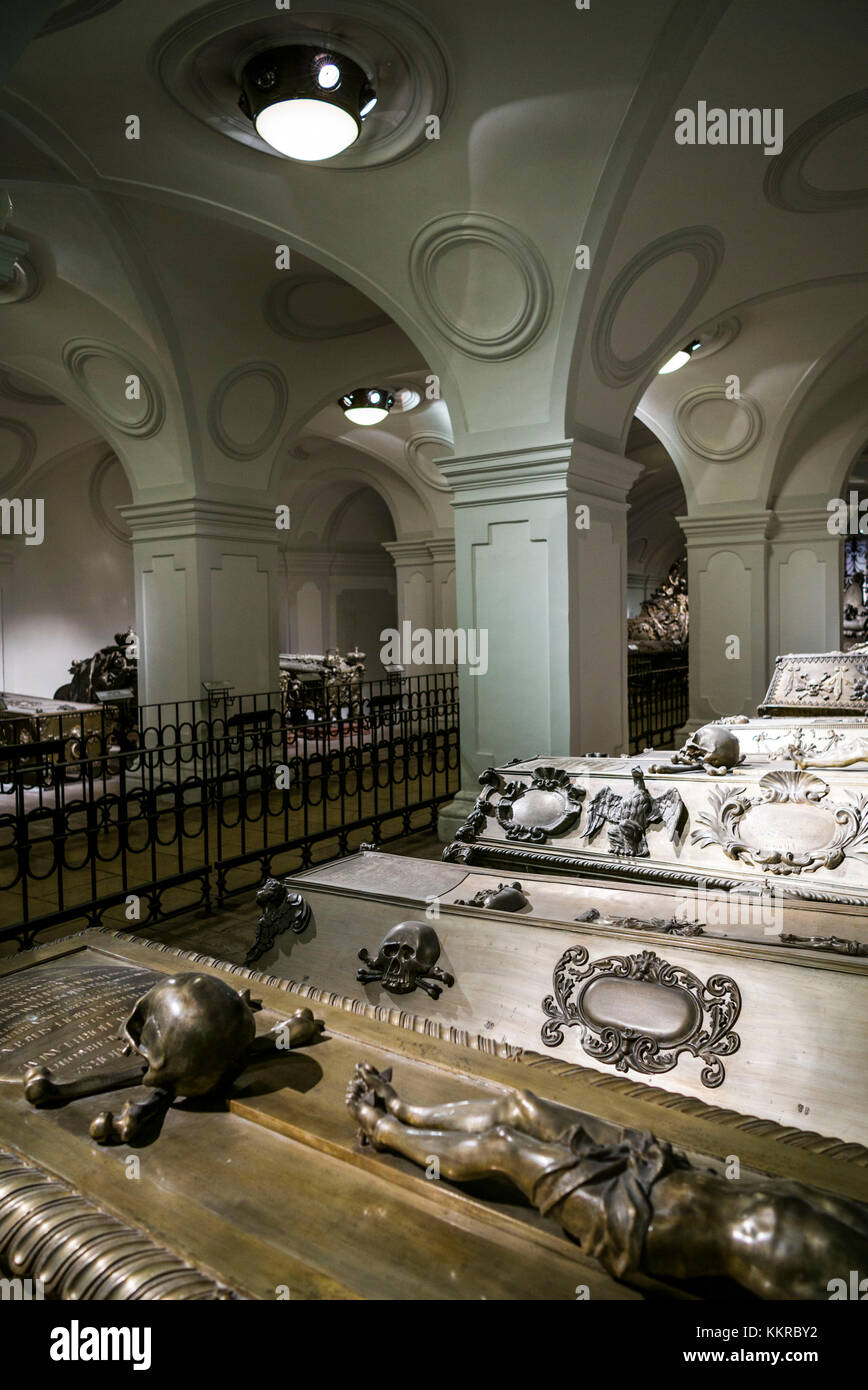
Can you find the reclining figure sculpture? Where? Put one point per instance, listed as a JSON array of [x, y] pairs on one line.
[[628, 1199]]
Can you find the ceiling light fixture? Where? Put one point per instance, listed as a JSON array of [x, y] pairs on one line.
[[406, 398], [307, 103], [680, 359], [367, 406]]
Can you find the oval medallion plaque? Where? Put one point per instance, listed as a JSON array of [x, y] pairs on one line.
[[641, 1012], [549, 805], [667, 1015], [789, 829], [782, 827], [544, 809]]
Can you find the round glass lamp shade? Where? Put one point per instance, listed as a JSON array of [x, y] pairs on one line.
[[305, 102], [367, 406]]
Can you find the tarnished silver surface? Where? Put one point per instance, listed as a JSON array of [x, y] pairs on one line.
[[387, 873], [49, 1232], [68, 1018]]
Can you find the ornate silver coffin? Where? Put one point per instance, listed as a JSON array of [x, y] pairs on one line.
[[798, 827], [768, 1020]]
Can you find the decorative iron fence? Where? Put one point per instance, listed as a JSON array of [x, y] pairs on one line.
[[310, 720], [658, 704], [139, 835]]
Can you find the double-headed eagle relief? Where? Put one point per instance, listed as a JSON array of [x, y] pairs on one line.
[[628, 817]]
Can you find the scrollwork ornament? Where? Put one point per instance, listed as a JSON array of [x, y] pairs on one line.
[[474, 825], [724, 824], [715, 1007], [550, 804]]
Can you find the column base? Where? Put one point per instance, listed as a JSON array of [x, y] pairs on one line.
[[453, 814]]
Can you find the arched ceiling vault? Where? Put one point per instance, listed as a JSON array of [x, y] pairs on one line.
[[791, 355], [159, 252]]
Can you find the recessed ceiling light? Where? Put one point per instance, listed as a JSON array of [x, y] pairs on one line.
[[368, 405], [305, 102], [406, 398], [680, 358]]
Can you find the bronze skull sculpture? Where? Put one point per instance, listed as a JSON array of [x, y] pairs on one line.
[[713, 749], [407, 957], [193, 1034]]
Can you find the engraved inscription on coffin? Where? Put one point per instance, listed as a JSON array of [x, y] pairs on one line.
[[638, 1006], [789, 828], [66, 1015]]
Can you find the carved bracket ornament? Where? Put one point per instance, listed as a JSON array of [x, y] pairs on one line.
[[549, 804], [640, 1012], [786, 826], [282, 911]]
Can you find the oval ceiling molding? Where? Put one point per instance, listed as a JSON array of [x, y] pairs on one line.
[[13, 392], [75, 12], [101, 470], [705, 246], [284, 308], [101, 373], [199, 61], [24, 284], [25, 453], [255, 374], [486, 288], [716, 427], [425, 468], [786, 185]]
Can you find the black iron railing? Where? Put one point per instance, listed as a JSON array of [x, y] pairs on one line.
[[139, 835], [658, 705], [312, 719]]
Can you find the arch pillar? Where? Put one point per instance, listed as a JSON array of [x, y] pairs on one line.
[[425, 576], [547, 598], [206, 597], [806, 583], [760, 584]]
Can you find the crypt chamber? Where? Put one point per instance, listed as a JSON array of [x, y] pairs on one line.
[[434, 652]]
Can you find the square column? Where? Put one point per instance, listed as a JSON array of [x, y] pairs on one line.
[[806, 582], [442, 552], [540, 548], [728, 560], [207, 597], [414, 579]]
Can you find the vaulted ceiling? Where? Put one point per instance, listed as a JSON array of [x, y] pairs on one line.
[[452, 257]]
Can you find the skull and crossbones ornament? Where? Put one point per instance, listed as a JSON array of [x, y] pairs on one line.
[[407, 958], [192, 1035], [711, 749]]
